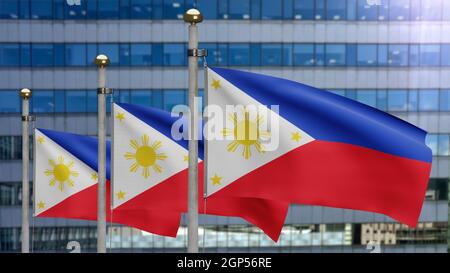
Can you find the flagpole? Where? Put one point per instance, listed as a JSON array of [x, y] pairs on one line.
[[193, 17], [102, 62], [26, 95]]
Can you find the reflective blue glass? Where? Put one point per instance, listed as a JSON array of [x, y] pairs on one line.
[[9, 9], [335, 55], [443, 144], [399, 10], [319, 10], [174, 54], [239, 54], [124, 54], [157, 52], [351, 94], [111, 50], [445, 55], [320, 54], [431, 10], [397, 100], [24, 9], [256, 9], [9, 102], [141, 54], [304, 9], [336, 10], [271, 54], [91, 53], [288, 9], [271, 9], [157, 10], [351, 54], [211, 59], [91, 9], [172, 98], [366, 12], [351, 9], [42, 55], [415, 10], [124, 96], [414, 55], [157, 99], [428, 100], [25, 54], [59, 54], [446, 10], [9, 55], [141, 97], [76, 54], [382, 100], [413, 100], [141, 9], [92, 102], [239, 9], [287, 54], [76, 101], [222, 56], [255, 50], [366, 55], [429, 55], [368, 97], [76, 11], [208, 8], [41, 9], [108, 9], [173, 9], [444, 100], [222, 9], [382, 55], [303, 55], [398, 55], [432, 142], [42, 102], [60, 103], [383, 10], [124, 9]]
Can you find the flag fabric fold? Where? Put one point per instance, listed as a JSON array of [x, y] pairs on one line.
[[332, 151]]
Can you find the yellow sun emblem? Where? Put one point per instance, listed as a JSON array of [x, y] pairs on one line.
[[61, 173], [145, 156], [246, 133]]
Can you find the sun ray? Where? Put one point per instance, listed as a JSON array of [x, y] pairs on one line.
[[61, 185], [145, 140], [161, 156], [70, 182], [233, 146], [156, 145], [51, 162], [49, 172], [146, 172], [246, 152], [134, 167], [74, 173], [134, 144], [52, 182], [157, 168], [60, 159], [61, 172], [130, 155]]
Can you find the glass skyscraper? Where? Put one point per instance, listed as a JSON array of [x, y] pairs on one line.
[[390, 54]]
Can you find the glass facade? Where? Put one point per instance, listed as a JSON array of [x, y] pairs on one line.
[[361, 10], [227, 54]]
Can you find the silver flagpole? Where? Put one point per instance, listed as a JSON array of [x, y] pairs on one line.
[[193, 17], [102, 62], [26, 95]]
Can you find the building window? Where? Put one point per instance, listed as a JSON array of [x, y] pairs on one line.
[[239, 54], [399, 10], [75, 54], [9, 55], [398, 55], [366, 12], [271, 54], [270, 10], [141, 9], [42, 102], [108, 9], [444, 100], [172, 98], [304, 55], [9, 9], [304, 9], [174, 54], [141, 54], [208, 8], [336, 10], [429, 55], [335, 55], [42, 55], [428, 100], [111, 50], [431, 10], [141, 97], [368, 97], [367, 55], [76, 101], [9, 102], [397, 100], [41, 9], [239, 9], [173, 9]]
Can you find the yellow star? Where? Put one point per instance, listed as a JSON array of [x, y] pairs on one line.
[[120, 195], [94, 176], [41, 139], [216, 179], [120, 116], [296, 136], [186, 158], [41, 205], [215, 84]]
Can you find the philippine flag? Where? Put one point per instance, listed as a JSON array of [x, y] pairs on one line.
[[150, 172], [330, 150], [65, 184]]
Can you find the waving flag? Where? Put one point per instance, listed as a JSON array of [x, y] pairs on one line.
[[150, 171], [66, 184], [331, 151]]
